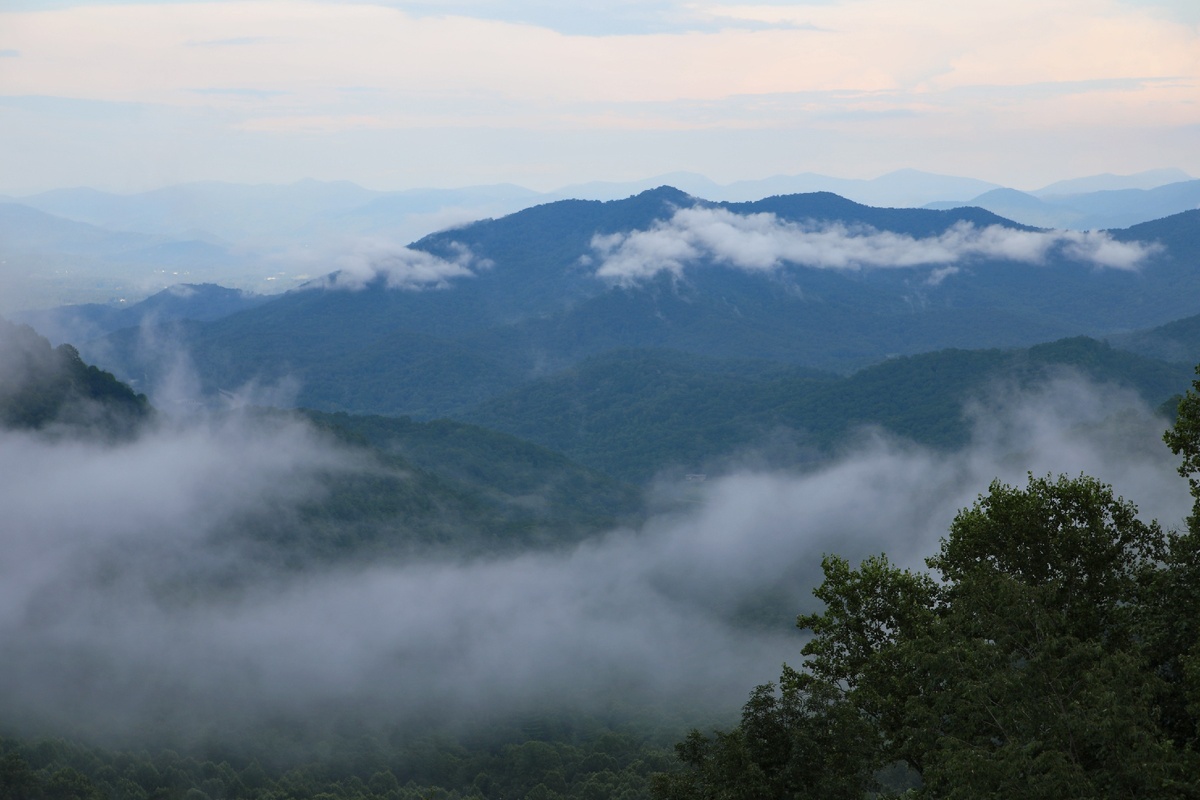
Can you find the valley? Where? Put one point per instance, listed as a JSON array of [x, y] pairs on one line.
[[551, 487]]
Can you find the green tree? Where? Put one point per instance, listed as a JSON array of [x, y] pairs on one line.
[[805, 740], [1045, 658], [17, 780]]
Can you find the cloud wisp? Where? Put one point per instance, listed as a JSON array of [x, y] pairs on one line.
[[109, 631], [763, 243], [399, 267]]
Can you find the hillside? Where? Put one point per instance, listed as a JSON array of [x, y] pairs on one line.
[[421, 485], [471, 313], [635, 413], [85, 321], [43, 387], [554, 499]]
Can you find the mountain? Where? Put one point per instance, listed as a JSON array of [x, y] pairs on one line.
[[431, 484], [902, 188], [1095, 210], [1177, 341], [235, 212], [1122, 208], [692, 183], [24, 229], [1150, 179], [522, 298], [80, 323], [443, 487], [551, 492], [223, 214], [46, 260], [43, 387], [272, 237], [275, 215], [634, 414], [1018, 206]]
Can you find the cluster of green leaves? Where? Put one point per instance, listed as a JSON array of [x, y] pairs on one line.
[[594, 764], [42, 386], [1053, 653]]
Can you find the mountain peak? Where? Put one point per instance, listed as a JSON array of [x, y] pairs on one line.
[[664, 192]]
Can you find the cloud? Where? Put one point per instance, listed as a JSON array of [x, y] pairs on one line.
[[400, 267], [111, 626], [763, 243]]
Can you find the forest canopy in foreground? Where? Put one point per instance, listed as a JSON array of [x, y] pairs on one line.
[[1052, 653]]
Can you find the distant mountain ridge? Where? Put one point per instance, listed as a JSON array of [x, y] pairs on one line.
[[1101, 209], [183, 301], [532, 304], [1150, 179], [268, 237]]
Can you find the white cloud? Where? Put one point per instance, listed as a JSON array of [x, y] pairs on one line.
[[763, 242], [400, 267]]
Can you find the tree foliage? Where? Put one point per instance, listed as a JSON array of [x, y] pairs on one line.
[[584, 761], [41, 386], [1052, 652]]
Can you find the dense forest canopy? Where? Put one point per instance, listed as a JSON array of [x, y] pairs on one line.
[[1053, 651], [42, 386]]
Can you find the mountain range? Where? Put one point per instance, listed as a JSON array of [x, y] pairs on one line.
[[531, 295], [1109, 208], [491, 407], [726, 328], [82, 245]]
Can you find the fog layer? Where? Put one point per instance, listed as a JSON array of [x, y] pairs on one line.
[[105, 632]]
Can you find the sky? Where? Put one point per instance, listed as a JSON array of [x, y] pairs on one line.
[[394, 94]]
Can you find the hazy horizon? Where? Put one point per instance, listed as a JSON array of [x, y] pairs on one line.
[[1155, 176]]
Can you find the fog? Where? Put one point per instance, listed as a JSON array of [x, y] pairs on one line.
[[763, 242], [366, 260], [108, 632]]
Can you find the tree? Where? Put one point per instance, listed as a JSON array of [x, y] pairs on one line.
[[804, 741], [1052, 654]]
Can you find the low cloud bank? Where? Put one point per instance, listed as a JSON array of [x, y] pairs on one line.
[[105, 630], [763, 242], [400, 267]]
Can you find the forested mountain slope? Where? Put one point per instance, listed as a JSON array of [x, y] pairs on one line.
[[633, 413], [813, 280], [41, 386]]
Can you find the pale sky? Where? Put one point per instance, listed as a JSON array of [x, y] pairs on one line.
[[394, 94]]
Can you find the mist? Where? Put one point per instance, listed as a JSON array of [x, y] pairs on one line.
[[110, 631], [372, 259], [763, 242]]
